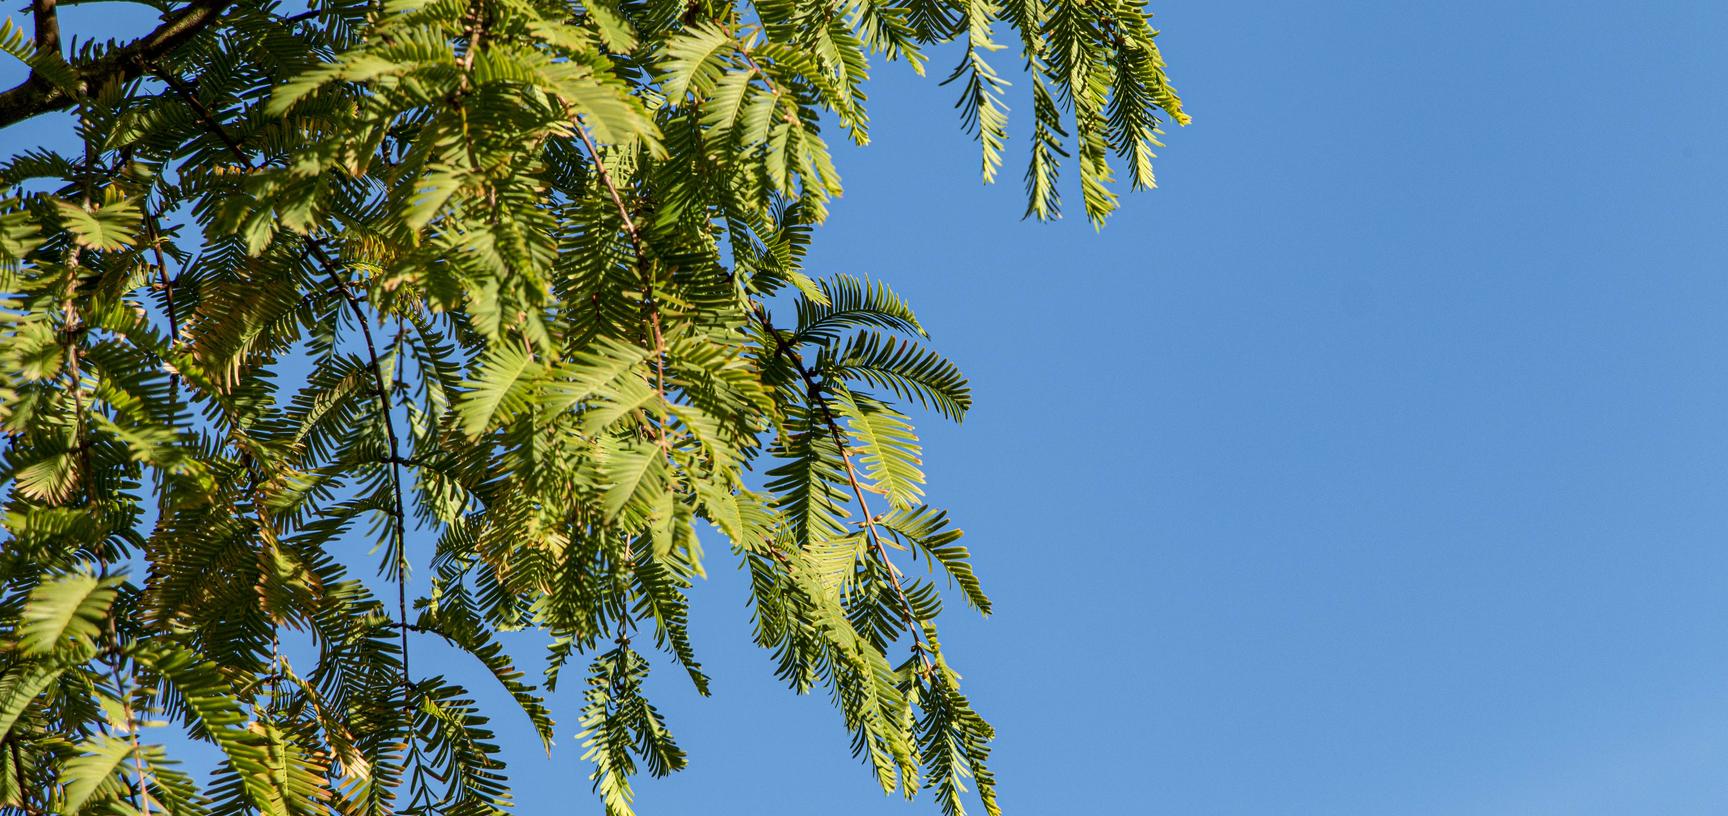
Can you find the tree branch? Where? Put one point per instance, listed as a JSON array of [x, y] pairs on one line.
[[642, 269], [47, 22], [814, 390], [190, 97], [381, 389], [36, 96]]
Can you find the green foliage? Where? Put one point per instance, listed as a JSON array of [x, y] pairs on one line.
[[490, 285]]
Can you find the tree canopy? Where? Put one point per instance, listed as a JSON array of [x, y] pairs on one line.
[[513, 291]]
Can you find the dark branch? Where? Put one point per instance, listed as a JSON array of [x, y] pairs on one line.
[[204, 113], [47, 26], [36, 96]]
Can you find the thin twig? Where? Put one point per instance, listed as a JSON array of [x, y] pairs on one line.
[[652, 307], [384, 416], [127, 711], [382, 392], [153, 228], [476, 34], [642, 268], [74, 328], [814, 390], [476, 19], [23, 790], [191, 97], [617, 198]]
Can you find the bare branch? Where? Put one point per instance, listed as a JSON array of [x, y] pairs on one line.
[[47, 22]]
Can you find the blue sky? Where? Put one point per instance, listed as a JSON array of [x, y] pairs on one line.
[[1375, 464]]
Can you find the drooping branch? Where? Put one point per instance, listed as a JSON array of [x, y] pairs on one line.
[[642, 268], [331, 268], [397, 512], [36, 96], [874, 537]]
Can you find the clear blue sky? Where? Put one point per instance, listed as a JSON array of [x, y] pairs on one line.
[[1376, 464]]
